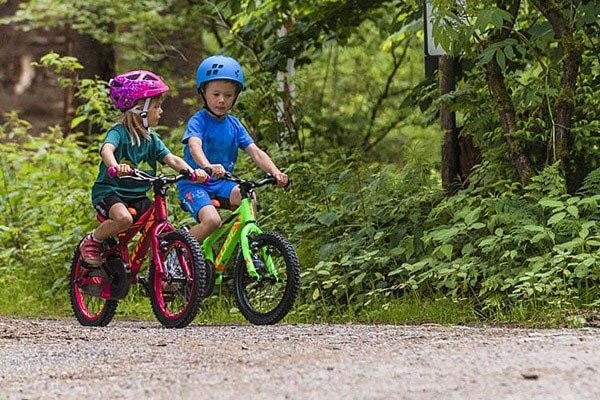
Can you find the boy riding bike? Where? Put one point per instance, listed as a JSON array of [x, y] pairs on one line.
[[130, 143], [212, 139]]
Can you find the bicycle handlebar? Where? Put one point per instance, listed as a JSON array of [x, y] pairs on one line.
[[142, 176], [267, 180]]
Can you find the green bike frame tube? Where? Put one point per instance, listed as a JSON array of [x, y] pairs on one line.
[[240, 224]]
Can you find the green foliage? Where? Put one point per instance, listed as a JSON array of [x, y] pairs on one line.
[[532, 59], [591, 184], [96, 107], [537, 245], [364, 233], [44, 211], [371, 225], [368, 236]]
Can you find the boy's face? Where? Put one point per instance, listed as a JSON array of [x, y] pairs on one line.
[[220, 95]]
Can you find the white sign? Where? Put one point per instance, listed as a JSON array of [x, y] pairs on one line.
[[431, 48]]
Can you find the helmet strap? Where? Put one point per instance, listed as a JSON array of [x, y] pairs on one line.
[[144, 113]]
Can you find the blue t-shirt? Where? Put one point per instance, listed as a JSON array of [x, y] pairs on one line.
[[221, 139], [144, 157]]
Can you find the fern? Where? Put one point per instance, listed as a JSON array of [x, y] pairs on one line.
[[591, 184]]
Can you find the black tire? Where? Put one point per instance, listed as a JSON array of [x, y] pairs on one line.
[[176, 299], [267, 301], [85, 286], [211, 276]]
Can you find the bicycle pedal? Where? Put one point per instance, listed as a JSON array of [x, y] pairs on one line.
[[142, 281]]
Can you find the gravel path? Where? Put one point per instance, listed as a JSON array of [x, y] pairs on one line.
[[48, 359]]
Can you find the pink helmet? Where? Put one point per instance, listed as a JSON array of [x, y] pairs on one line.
[[126, 89]]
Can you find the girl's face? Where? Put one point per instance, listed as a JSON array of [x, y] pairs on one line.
[[154, 112], [220, 95]]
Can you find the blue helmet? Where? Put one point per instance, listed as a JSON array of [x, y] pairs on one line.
[[219, 67]]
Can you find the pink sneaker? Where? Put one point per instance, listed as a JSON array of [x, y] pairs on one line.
[[90, 251]]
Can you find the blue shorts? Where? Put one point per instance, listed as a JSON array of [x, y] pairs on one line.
[[194, 196]]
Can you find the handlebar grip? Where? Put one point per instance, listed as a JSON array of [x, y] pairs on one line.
[[194, 177], [113, 172], [208, 170], [288, 185]]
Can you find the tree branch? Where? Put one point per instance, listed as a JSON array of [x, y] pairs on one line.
[[397, 63]]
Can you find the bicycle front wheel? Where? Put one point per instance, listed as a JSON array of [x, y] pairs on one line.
[[176, 295], [85, 287], [267, 299]]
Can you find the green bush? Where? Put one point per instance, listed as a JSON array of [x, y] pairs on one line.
[[44, 210], [367, 235]]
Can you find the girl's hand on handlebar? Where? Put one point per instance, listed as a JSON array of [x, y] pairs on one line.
[[121, 170]]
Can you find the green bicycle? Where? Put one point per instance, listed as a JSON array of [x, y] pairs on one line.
[[266, 272]]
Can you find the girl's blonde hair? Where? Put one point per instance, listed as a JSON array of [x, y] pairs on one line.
[[132, 120]]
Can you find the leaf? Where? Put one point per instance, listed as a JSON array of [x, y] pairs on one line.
[[570, 245], [396, 251], [501, 59], [472, 216], [316, 294], [446, 250], [78, 120], [556, 218], [444, 234], [328, 218], [548, 203], [574, 211], [358, 280], [534, 228], [538, 237], [477, 225]]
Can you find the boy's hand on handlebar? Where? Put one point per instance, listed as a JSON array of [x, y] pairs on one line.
[[282, 179], [218, 171]]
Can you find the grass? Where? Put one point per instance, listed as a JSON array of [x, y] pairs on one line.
[[19, 299]]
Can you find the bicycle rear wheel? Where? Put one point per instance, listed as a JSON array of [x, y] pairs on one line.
[[176, 295], [268, 299], [85, 287]]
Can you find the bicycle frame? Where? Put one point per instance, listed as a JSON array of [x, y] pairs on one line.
[[237, 228], [153, 223]]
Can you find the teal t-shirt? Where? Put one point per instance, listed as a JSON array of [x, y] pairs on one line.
[[143, 157]]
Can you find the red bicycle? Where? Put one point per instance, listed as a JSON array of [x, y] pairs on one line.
[[177, 278]]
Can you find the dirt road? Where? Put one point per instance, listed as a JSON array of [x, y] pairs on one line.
[[47, 359]]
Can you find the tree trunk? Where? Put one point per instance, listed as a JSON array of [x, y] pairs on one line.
[[506, 110], [508, 119], [69, 91], [564, 104], [450, 148]]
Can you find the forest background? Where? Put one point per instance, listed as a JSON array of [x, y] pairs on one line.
[[469, 195]]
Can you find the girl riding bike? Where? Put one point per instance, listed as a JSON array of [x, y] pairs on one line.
[[130, 143]]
